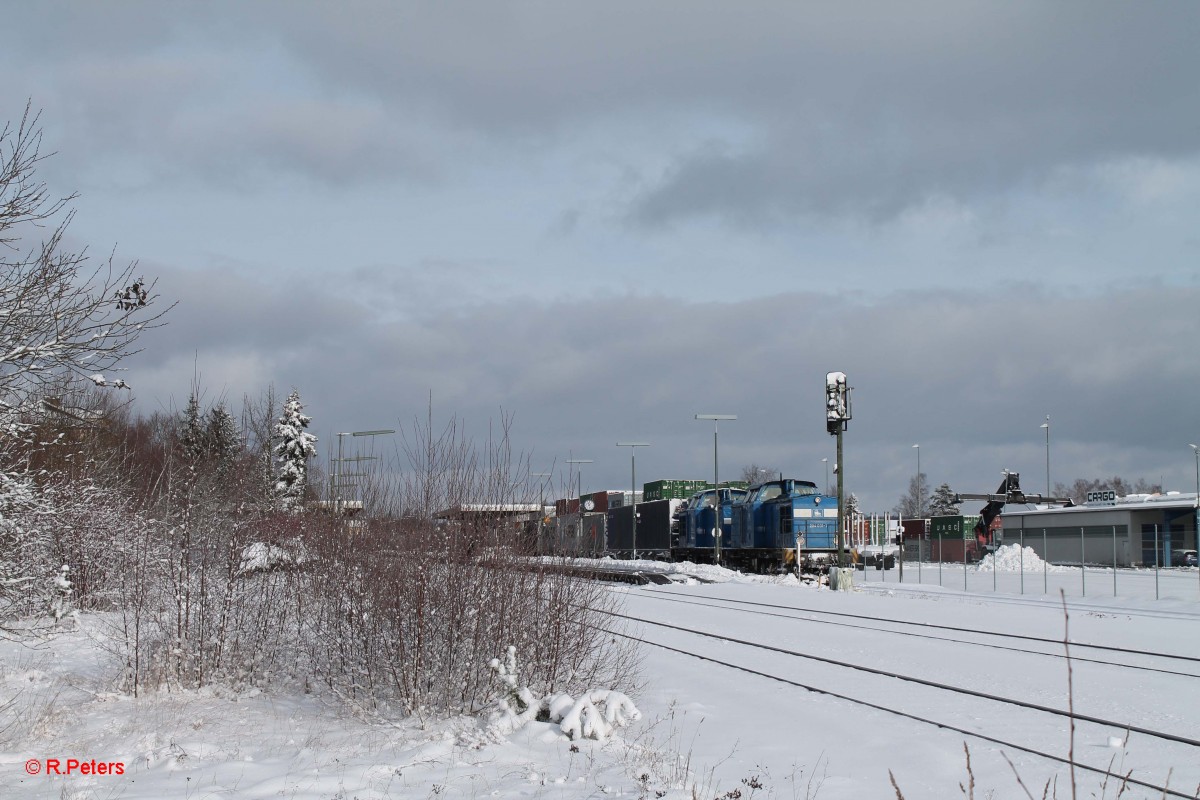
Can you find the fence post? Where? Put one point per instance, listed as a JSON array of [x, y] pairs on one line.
[[1114, 560], [939, 541], [1156, 561], [1045, 565], [1022, 555], [1082, 568]]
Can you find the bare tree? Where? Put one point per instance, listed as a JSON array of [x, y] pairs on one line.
[[64, 323], [756, 473], [59, 315], [915, 502]]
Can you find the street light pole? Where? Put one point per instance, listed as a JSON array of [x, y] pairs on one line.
[[920, 498], [1046, 425], [1196, 450], [716, 482], [541, 512], [825, 461], [579, 489], [633, 446], [579, 477], [1196, 522]]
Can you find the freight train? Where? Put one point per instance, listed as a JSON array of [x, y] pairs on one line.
[[773, 526]]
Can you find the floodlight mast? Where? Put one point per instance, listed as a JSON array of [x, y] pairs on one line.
[[541, 503], [339, 475], [837, 414], [716, 483], [633, 446], [579, 488]]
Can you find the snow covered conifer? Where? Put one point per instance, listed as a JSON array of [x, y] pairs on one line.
[[292, 452], [221, 436], [191, 437], [941, 503]]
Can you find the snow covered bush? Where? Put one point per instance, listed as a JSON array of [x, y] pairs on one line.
[[593, 716], [406, 619], [407, 613], [60, 602]]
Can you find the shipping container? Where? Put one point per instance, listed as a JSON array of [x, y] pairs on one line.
[[567, 506], [954, 527], [618, 499], [592, 543], [672, 489], [653, 529], [594, 503]]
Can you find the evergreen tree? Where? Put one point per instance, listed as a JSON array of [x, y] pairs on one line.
[[851, 505], [941, 504], [192, 437], [292, 452], [221, 439]]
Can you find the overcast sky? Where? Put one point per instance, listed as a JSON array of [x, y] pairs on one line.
[[605, 218]]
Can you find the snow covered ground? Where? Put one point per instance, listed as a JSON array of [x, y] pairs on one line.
[[707, 729]]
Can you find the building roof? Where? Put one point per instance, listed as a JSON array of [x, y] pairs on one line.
[[1133, 502], [464, 510]]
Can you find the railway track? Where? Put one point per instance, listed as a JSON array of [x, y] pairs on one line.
[[1171, 663], [1023, 725]]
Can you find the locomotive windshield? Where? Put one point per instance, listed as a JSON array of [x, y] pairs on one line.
[[769, 492], [777, 489]]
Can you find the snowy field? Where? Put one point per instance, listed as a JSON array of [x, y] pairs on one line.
[[738, 722]]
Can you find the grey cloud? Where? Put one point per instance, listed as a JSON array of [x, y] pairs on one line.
[[969, 378], [857, 107]]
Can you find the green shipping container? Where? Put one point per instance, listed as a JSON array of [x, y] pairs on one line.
[[671, 489], [959, 527]]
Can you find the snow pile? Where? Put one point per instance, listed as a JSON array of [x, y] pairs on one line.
[[1010, 558]]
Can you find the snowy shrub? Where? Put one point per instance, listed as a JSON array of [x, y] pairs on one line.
[[407, 614], [408, 621], [593, 716], [267, 556], [24, 558], [60, 602]]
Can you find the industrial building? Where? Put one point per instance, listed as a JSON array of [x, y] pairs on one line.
[[1137, 530]]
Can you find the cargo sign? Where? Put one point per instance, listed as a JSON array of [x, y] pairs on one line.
[[1105, 497]]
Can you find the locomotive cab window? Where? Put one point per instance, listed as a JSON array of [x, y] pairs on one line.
[[769, 492]]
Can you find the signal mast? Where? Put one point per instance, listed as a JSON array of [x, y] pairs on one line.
[[837, 414]]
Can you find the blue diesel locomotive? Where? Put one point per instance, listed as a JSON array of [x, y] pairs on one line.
[[783, 525]]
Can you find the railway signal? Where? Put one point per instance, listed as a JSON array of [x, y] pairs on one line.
[[837, 414]]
